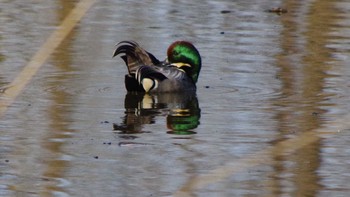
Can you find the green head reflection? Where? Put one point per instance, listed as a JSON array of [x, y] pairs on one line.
[[183, 121]]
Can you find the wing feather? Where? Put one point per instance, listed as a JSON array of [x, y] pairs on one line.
[[134, 56]]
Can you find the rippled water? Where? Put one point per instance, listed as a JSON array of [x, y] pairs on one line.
[[270, 117]]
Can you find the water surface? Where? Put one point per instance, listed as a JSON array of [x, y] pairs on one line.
[[270, 117]]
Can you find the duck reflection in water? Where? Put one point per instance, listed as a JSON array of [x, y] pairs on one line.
[[181, 111]]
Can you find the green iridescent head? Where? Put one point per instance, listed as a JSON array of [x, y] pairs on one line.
[[185, 52]]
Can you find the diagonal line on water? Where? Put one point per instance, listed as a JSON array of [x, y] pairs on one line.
[[9, 94], [263, 157]]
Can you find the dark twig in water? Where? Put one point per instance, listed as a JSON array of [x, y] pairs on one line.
[[278, 10]]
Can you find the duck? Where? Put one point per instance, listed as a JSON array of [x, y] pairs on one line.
[[179, 71]]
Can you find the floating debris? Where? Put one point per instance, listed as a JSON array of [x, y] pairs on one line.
[[278, 10], [225, 11]]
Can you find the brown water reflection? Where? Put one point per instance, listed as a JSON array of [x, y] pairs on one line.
[[59, 113], [269, 117], [303, 98]]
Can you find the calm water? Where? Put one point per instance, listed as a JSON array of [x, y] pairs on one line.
[[270, 117]]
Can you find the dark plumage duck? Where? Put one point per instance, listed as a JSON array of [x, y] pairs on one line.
[[178, 73]]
